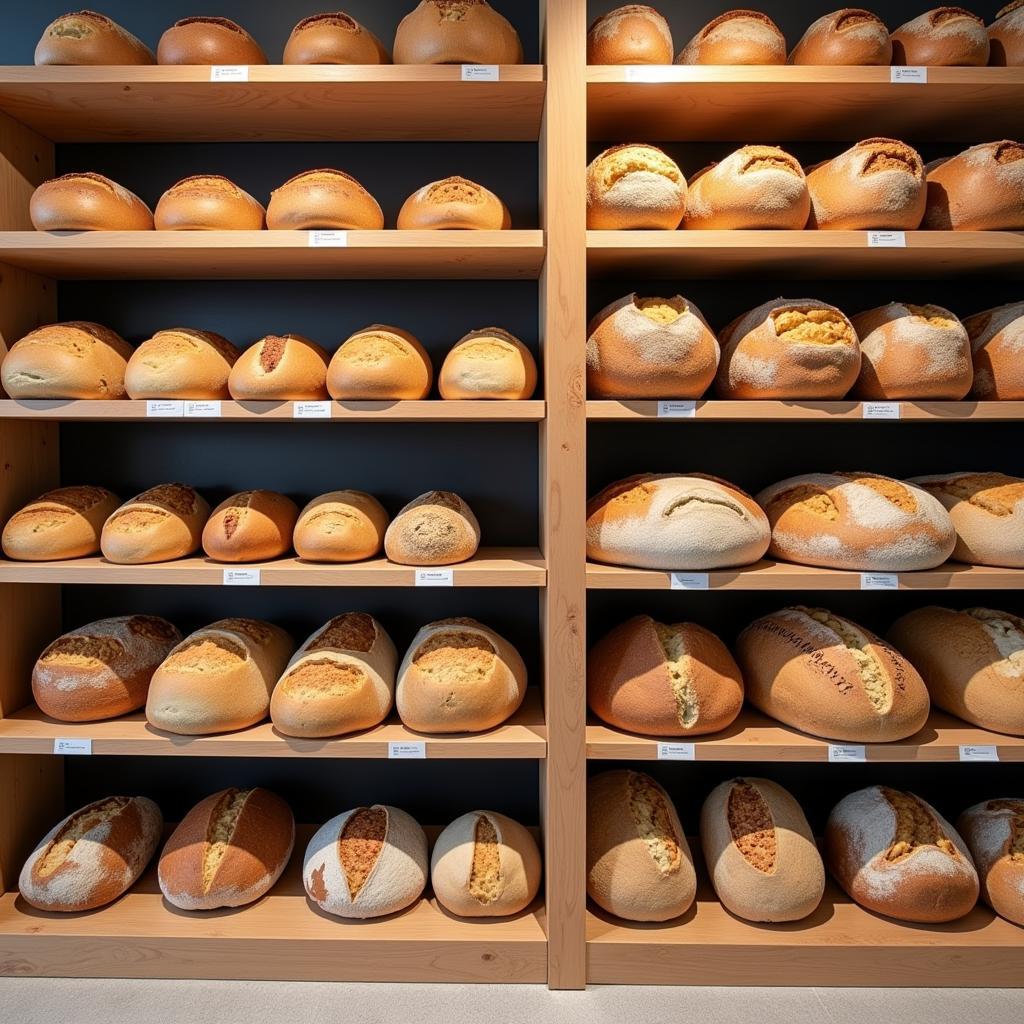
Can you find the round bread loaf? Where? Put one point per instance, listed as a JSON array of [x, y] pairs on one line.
[[228, 851], [943, 37], [86, 37], [736, 37], [181, 362], [456, 32], [981, 189], [633, 34], [459, 676], [207, 202], [485, 865], [334, 39], [858, 521], [994, 833], [635, 186], [672, 521], [754, 187], [323, 198], [84, 201], [92, 857], [896, 855], [916, 352], [280, 368], [639, 865], [760, 852], [367, 862], [219, 678], [340, 680], [65, 523], [849, 37], [488, 363], [101, 670], [437, 528], [663, 680], [1005, 37], [341, 526], [208, 41], [825, 675], [453, 204], [997, 345], [380, 363], [788, 349], [251, 526], [158, 525]]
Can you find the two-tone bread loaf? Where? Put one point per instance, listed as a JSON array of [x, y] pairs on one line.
[[205, 40], [380, 363], [633, 34], [85, 201], [943, 37], [323, 198], [158, 525], [635, 186], [437, 528], [1005, 36], [997, 349], [851, 36], [453, 204], [181, 362], [280, 367], [251, 526], [456, 32], [994, 833], [207, 202], [88, 38], [980, 189], [736, 37], [65, 523], [333, 39], [488, 363], [340, 526]]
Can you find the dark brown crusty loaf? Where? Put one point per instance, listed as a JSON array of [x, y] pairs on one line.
[[86, 37], [65, 523]]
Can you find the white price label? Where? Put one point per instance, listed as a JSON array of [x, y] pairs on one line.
[[229, 73], [164, 408], [979, 752], [69, 746], [846, 753], [435, 578], [311, 410], [677, 410], [407, 751], [676, 752], [913, 76], [650, 73], [887, 240], [328, 239], [241, 577], [202, 410], [480, 73], [880, 410], [879, 581], [690, 581]]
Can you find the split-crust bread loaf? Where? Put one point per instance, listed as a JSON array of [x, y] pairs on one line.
[[380, 363], [86, 37], [859, 521], [878, 183], [755, 187], [488, 363], [639, 865], [158, 525], [1005, 36], [229, 850], [280, 368], [997, 348], [485, 865], [101, 670], [789, 349], [453, 204], [760, 851], [635, 186], [65, 523], [323, 198], [673, 521], [92, 857], [208, 41], [207, 202], [912, 352], [459, 676], [663, 679], [817, 671], [181, 362], [981, 189], [456, 32], [219, 678], [848, 37], [736, 37], [251, 526], [340, 680], [333, 39], [633, 34], [994, 833], [437, 528], [367, 862], [972, 662], [893, 853], [340, 526], [943, 37], [85, 201]]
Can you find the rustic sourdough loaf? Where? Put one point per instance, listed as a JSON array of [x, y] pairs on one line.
[[65, 523], [323, 198], [851, 36], [456, 32], [1005, 36], [488, 363], [380, 363], [635, 186], [980, 189], [86, 37], [997, 347], [84, 201], [736, 37], [333, 39], [633, 34], [340, 526], [251, 526], [158, 525], [208, 41], [437, 528], [181, 362], [207, 202], [453, 204], [994, 833], [943, 37], [286, 367]]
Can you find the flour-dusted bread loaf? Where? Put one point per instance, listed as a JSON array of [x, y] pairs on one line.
[[367, 862], [380, 363], [972, 662], [736, 37], [92, 857], [485, 865], [997, 348], [635, 186], [103, 669], [661, 679], [84, 201], [1005, 36], [456, 32], [673, 521], [753, 187], [760, 852], [639, 865], [86, 37], [280, 368], [943, 37], [65, 523], [994, 833], [437, 528], [333, 39], [453, 204], [488, 363], [219, 678], [207, 202], [896, 855], [858, 521], [181, 362], [340, 680], [76, 359], [823, 674], [228, 851], [158, 525], [251, 526], [849, 37], [323, 198], [208, 41], [788, 349], [981, 189], [633, 34], [340, 526], [459, 675]]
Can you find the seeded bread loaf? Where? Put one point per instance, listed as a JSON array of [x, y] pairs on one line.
[[88, 38], [181, 362], [1005, 36], [333, 39], [341, 526], [285, 367], [736, 37], [84, 201], [208, 41], [251, 526], [323, 198], [65, 523], [207, 202], [635, 186], [943, 37], [456, 32], [633, 34], [994, 833], [981, 189], [380, 363], [437, 528], [453, 204], [997, 343], [158, 525], [92, 857], [851, 36], [488, 363]]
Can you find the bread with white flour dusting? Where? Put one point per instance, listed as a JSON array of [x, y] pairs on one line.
[[994, 833]]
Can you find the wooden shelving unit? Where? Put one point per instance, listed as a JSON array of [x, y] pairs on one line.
[[720, 411]]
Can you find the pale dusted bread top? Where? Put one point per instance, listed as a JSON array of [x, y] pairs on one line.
[[488, 363], [1006, 36], [85, 201], [736, 37], [635, 186], [997, 346], [65, 523], [206, 40], [148, 509], [323, 198], [207, 202], [851, 36], [632, 34], [980, 189], [456, 32], [380, 363], [181, 362], [333, 39], [340, 526], [437, 528], [994, 832], [454, 203], [86, 37], [944, 36]]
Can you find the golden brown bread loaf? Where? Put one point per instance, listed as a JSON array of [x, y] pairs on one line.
[[456, 32], [453, 204], [65, 523], [333, 39], [997, 342], [633, 34], [981, 189], [994, 833], [437, 528], [943, 37], [251, 526], [635, 186], [849, 37], [736, 37], [207, 202], [1005, 36], [488, 363], [380, 363], [158, 525], [181, 362], [86, 37], [323, 198], [208, 41], [84, 201], [280, 368], [340, 526]]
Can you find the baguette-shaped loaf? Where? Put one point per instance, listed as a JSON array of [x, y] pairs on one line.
[[208, 41], [333, 39], [456, 32], [943, 37], [633, 34], [437, 528], [1005, 36], [341, 526], [849, 37], [635, 186], [84, 201], [207, 202], [65, 523], [380, 363], [88, 38], [736, 37], [453, 204], [323, 198], [997, 342], [158, 525], [981, 189], [181, 362], [994, 833], [488, 363], [280, 368], [251, 526]]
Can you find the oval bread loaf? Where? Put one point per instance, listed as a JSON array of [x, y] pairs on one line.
[[251, 526], [981, 189], [437, 528], [633, 34], [340, 526], [994, 833], [207, 202], [65, 523], [943, 37], [453, 204], [158, 525], [488, 363], [1005, 36], [280, 368], [324, 198], [84, 201], [181, 362], [333, 39], [850, 37], [208, 41], [88, 38], [997, 346], [380, 363], [736, 37], [635, 186], [456, 32]]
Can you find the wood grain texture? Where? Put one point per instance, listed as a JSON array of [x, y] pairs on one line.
[[26, 160], [638, 411], [30, 617], [31, 800]]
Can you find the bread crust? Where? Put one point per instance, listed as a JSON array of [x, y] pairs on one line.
[[456, 32], [158, 525], [943, 37], [380, 363], [453, 204], [980, 189], [437, 528], [208, 202], [280, 368], [1006, 36], [848, 37], [85, 201], [341, 526], [994, 833], [635, 186], [997, 341], [736, 37], [488, 363], [250, 526], [632, 34], [334, 39], [323, 198], [208, 41], [64, 523], [88, 38], [181, 362]]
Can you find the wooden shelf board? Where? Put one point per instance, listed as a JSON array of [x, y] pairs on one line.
[[778, 104], [716, 410], [322, 102]]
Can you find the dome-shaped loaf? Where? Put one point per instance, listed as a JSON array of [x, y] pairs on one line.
[[997, 342], [323, 198], [981, 189], [453, 204], [65, 523], [333, 39], [208, 41], [456, 32], [341, 526], [380, 363], [994, 833], [849, 37], [437, 528], [86, 37], [635, 186], [633, 34], [1005, 36], [488, 363], [207, 202], [736, 37], [251, 526], [181, 362], [158, 525], [280, 368], [84, 201], [943, 37]]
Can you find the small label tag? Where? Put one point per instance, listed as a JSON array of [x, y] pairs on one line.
[[163, 407], [202, 410], [880, 410], [328, 239], [690, 581], [229, 73], [677, 410], [915, 76], [407, 751], [650, 73], [241, 577], [480, 73], [311, 410], [69, 746], [978, 752], [845, 753], [676, 752], [879, 581], [435, 578], [887, 240]]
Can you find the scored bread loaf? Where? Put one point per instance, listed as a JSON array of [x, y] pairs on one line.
[[207, 202], [251, 526], [333, 39], [280, 367], [208, 41], [994, 833], [437, 528], [84, 201], [488, 363], [86, 37], [380, 363], [65, 523], [453, 204], [981, 189], [1005, 36], [760, 852], [635, 186], [158, 525], [340, 526], [849, 37], [633, 34], [323, 198], [181, 362], [943, 37], [736, 37], [997, 343], [456, 32]]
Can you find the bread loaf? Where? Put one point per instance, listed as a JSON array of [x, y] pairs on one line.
[[380, 363], [333, 39], [997, 343], [251, 526], [285, 367], [638, 861], [158, 525], [84, 201], [788, 349], [86, 37], [228, 851], [488, 363], [340, 526], [994, 833], [208, 41], [981, 189], [456, 32], [219, 678], [851, 36], [101, 670], [459, 676], [736, 37], [181, 362], [635, 186], [633, 34], [760, 852], [858, 521], [896, 855], [207, 202], [437, 528], [485, 865], [675, 522], [323, 198], [914, 352], [65, 523], [650, 348], [92, 857], [943, 37], [972, 662], [340, 680], [453, 204], [367, 862], [754, 187], [1005, 37]]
